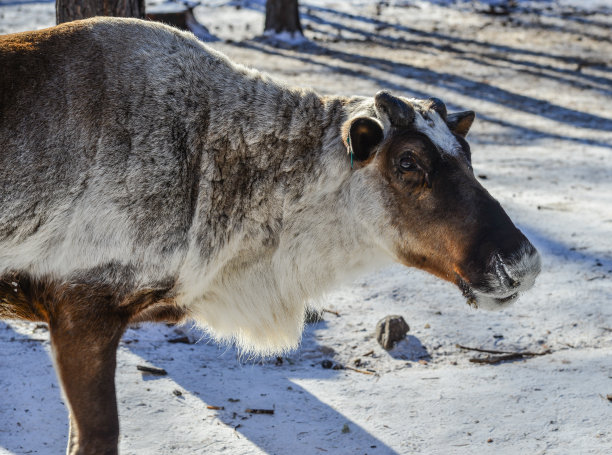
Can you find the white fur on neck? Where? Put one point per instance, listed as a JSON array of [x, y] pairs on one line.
[[257, 297]]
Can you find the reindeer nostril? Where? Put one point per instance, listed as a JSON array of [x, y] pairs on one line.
[[503, 275]]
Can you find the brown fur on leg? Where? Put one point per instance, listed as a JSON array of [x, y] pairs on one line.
[[86, 320], [86, 324], [84, 337]]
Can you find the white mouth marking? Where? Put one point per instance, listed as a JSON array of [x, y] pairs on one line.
[[511, 278]]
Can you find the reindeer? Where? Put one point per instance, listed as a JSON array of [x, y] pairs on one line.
[[146, 177]]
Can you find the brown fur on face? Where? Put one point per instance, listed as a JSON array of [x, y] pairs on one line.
[[446, 221]]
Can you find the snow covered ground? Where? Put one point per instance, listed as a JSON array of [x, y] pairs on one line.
[[539, 76]]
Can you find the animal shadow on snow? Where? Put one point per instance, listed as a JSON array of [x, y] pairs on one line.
[[35, 420], [302, 418]]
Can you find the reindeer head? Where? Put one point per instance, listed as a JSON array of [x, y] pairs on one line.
[[436, 216]]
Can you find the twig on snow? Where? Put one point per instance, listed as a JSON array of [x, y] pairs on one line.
[[492, 351], [491, 360], [152, 370], [325, 310], [184, 340], [501, 356], [259, 411], [346, 367]]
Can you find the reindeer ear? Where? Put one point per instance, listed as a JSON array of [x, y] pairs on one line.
[[362, 137], [460, 122]]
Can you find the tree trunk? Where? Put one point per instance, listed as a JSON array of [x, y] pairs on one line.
[[71, 10], [282, 16]]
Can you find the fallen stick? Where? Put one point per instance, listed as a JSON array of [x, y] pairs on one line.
[[597, 277], [152, 370], [492, 351], [491, 360], [331, 311], [500, 356], [346, 367], [184, 340], [215, 408], [259, 411]]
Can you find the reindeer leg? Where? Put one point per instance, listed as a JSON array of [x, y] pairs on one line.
[[84, 340]]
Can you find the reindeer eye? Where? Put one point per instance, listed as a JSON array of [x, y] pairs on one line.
[[407, 164]]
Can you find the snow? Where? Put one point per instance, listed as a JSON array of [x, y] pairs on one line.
[[539, 80]]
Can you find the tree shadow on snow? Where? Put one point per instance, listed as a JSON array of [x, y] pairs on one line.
[[482, 51], [561, 249], [312, 53], [341, 26]]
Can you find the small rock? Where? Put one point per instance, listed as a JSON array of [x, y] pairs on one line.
[[327, 364], [489, 440], [390, 330], [427, 326], [345, 428], [177, 392]]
